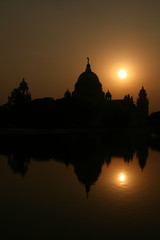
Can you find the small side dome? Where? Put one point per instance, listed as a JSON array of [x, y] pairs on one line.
[[67, 94], [108, 96], [23, 86], [142, 92]]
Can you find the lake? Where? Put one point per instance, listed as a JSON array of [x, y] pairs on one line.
[[82, 186]]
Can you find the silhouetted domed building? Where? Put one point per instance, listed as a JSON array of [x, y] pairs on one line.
[[19, 96], [109, 111], [67, 94], [23, 87], [88, 87], [24, 91], [142, 106], [108, 96], [142, 99]]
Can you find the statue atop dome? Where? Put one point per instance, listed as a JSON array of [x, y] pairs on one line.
[[88, 67]]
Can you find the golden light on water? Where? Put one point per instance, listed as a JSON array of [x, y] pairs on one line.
[[122, 177], [122, 74]]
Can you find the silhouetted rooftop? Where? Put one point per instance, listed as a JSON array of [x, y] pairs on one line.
[[88, 85]]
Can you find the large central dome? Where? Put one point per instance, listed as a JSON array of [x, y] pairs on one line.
[[88, 86]]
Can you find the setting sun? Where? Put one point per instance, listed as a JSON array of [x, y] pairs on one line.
[[122, 74]]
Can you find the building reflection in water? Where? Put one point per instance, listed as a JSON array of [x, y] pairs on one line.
[[87, 153]]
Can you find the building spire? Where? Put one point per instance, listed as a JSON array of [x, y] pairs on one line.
[[88, 68]]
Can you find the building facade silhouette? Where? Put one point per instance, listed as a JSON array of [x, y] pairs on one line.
[[87, 106], [89, 88]]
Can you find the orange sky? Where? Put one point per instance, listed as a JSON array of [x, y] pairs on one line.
[[47, 42]]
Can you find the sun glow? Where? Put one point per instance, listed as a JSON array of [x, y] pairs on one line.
[[122, 177], [122, 74]]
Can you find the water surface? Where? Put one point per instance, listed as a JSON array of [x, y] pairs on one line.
[[80, 187]]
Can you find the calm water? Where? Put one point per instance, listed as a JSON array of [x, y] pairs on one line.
[[80, 187]]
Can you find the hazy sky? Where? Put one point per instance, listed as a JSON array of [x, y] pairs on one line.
[[47, 42]]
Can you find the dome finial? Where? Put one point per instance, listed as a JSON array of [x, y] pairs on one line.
[[88, 68]]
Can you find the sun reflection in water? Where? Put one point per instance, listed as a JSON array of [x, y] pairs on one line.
[[122, 178]]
